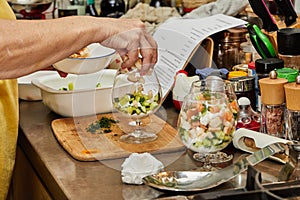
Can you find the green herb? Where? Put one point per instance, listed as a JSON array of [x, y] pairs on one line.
[[103, 125]]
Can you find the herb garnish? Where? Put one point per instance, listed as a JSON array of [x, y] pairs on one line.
[[103, 125]]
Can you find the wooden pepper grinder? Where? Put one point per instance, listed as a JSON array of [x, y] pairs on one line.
[[273, 105], [292, 91]]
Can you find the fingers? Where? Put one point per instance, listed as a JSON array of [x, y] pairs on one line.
[[132, 43], [130, 59]]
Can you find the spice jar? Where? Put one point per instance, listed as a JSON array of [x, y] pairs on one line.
[[273, 105], [288, 42], [292, 91]]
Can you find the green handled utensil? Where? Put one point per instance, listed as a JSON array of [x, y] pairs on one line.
[[261, 42]]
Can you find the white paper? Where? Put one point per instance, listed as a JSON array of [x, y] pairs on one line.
[[177, 38]]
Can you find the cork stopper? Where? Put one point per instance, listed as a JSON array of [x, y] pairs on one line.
[[272, 90], [292, 91]]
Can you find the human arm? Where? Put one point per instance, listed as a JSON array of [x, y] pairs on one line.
[[31, 45]]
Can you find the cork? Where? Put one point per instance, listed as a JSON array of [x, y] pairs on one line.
[[272, 91], [292, 91]]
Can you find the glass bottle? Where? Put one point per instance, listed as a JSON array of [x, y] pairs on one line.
[[112, 8], [247, 117], [90, 8], [158, 3], [273, 105]]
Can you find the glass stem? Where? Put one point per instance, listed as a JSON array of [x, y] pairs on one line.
[[138, 130]]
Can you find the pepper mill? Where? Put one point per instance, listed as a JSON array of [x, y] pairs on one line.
[[292, 91], [273, 105]]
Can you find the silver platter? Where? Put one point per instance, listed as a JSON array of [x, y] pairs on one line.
[[181, 181]]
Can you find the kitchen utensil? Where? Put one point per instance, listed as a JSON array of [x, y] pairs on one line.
[[82, 145], [286, 8], [98, 57], [250, 141], [198, 181], [259, 7], [261, 42]]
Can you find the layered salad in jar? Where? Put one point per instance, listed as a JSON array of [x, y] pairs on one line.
[[206, 122]]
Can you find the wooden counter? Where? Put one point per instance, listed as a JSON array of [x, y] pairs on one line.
[[60, 176]]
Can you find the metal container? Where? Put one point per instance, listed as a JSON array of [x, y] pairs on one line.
[[244, 87]]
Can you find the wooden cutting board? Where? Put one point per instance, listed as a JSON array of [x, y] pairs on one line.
[[82, 145]]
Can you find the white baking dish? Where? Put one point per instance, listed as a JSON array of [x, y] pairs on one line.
[[85, 99]]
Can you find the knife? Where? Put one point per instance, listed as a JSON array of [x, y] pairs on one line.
[[261, 10], [286, 8]]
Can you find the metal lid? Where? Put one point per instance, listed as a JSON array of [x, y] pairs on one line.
[[264, 66], [288, 41]]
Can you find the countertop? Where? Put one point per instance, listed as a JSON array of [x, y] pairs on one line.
[[66, 178]]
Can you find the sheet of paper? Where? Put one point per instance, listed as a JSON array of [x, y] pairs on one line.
[[177, 38]]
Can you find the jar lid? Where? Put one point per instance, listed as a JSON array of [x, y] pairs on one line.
[[292, 93], [287, 73], [234, 74], [266, 65], [288, 41]]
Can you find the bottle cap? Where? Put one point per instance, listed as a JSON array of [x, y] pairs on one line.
[[292, 93], [264, 66], [288, 73], [288, 41], [244, 101]]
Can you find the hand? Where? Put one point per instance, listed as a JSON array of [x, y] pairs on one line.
[[131, 40]]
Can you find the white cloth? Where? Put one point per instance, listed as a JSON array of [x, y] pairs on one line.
[[227, 7], [137, 166]]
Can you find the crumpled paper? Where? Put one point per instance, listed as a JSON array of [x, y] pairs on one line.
[[137, 166]]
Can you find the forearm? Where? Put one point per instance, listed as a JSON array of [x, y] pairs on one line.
[[28, 46]]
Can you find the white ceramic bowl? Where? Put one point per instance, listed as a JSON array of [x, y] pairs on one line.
[[99, 58], [85, 99], [29, 92]]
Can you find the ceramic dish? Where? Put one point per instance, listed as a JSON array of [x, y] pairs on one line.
[[29, 92], [98, 58], [88, 94]]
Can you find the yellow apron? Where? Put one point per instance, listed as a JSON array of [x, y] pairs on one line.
[[8, 119]]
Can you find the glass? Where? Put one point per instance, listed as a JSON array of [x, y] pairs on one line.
[[206, 125], [216, 84], [136, 96]]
